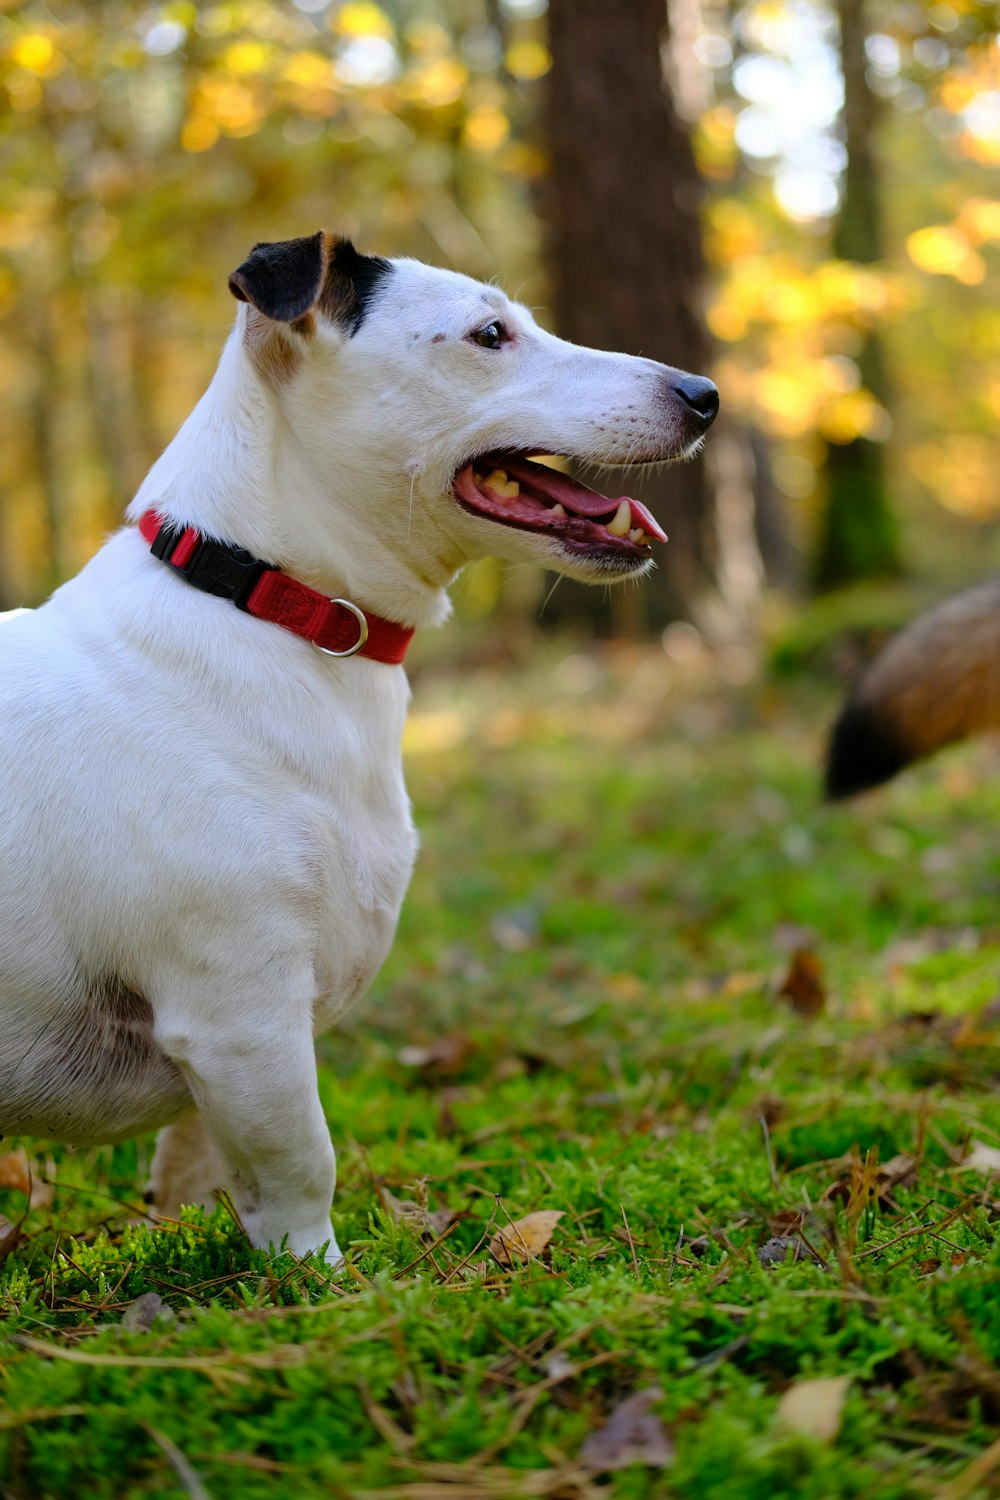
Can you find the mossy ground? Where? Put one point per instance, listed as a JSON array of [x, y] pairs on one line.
[[620, 853]]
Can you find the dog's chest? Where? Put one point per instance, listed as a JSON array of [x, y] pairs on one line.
[[369, 861]]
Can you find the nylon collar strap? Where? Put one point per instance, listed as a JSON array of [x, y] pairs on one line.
[[332, 625]]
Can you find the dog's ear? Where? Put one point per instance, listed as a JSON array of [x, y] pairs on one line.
[[290, 278], [282, 280]]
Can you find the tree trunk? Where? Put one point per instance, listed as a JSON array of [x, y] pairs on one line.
[[858, 534], [625, 262]]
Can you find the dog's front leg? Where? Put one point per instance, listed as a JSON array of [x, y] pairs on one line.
[[251, 1070]]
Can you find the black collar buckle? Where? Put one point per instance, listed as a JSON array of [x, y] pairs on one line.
[[217, 568]]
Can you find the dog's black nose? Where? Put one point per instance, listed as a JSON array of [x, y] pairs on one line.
[[701, 395]]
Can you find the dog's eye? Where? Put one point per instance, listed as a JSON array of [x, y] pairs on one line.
[[489, 337]]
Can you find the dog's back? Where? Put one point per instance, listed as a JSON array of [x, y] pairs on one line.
[[936, 683]]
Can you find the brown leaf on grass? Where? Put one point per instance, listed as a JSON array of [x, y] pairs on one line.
[[815, 1227], [442, 1058], [803, 985], [814, 1408], [899, 1171], [428, 1223], [526, 1238], [633, 1434], [17, 1172]]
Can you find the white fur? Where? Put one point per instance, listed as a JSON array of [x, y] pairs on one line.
[[204, 834]]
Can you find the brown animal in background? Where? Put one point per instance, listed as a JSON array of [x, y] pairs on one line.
[[936, 683]]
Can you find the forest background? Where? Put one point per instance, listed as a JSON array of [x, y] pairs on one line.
[[798, 197], [736, 1048]]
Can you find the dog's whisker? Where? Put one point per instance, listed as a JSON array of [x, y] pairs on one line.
[[558, 580]]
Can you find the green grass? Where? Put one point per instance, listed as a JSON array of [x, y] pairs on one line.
[[619, 854]]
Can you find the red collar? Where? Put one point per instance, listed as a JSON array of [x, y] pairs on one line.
[[333, 625]]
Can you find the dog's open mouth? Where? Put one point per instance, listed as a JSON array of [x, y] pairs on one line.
[[513, 491]]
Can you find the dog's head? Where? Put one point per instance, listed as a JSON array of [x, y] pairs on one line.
[[427, 397]]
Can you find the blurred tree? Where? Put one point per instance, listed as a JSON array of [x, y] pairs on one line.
[[858, 536], [625, 260], [145, 144]]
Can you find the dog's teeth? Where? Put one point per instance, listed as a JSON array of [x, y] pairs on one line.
[[622, 522], [507, 489], [557, 510], [638, 536]]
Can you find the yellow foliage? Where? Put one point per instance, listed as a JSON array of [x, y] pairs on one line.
[[36, 53], [714, 142], [787, 397], [199, 133], [527, 60], [943, 250], [362, 19], [726, 322], [25, 91], [486, 129], [234, 107], [523, 160], [845, 287], [982, 146], [428, 38], [958, 91], [969, 92], [854, 414], [436, 83], [960, 470], [979, 220], [308, 70], [246, 58]]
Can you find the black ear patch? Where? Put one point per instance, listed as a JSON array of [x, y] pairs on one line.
[[282, 280], [350, 284], [289, 278]]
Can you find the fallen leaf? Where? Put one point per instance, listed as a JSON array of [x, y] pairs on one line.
[[633, 1434], [15, 1172], [813, 1226], [803, 985], [526, 1238], [981, 1158], [417, 1216], [898, 1171], [19, 1173], [443, 1057], [814, 1408]]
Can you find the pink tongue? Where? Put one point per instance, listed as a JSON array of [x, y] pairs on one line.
[[559, 489]]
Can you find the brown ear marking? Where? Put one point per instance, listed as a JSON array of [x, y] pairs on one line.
[[287, 279], [276, 355]]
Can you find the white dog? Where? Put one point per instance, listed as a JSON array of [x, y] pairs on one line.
[[204, 834]]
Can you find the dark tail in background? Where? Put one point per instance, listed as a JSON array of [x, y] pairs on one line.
[[936, 683]]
